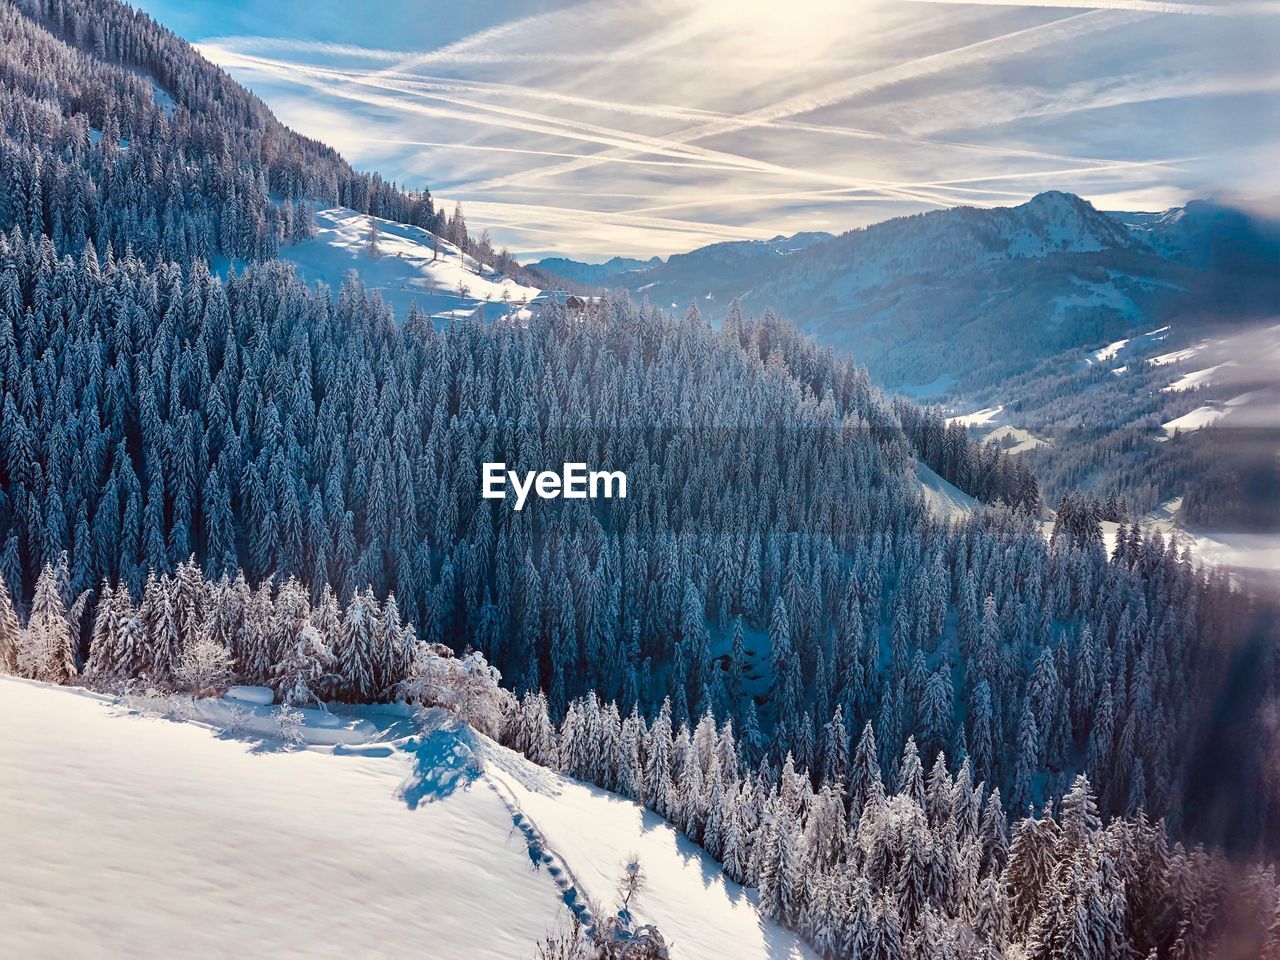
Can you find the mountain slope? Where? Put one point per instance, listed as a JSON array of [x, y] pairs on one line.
[[410, 265], [202, 845], [697, 908], [705, 268], [1014, 285], [140, 836], [593, 273]]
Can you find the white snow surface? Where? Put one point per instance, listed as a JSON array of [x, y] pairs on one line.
[[702, 914], [1249, 554], [1000, 431], [1197, 419], [1110, 350], [944, 498], [1113, 349], [406, 271], [143, 837], [258, 696], [1013, 439], [172, 838], [981, 418], [1177, 356], [1209, 413], [1196, 378]]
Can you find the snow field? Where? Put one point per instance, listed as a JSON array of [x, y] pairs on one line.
[[170, 838], [407, 270], [138, 836], [944, 498], [702, 914]]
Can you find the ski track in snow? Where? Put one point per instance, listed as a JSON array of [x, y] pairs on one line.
[[702, 914]]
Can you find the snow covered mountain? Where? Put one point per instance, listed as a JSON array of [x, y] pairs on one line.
[[716, 263], [233, 482], [1209, 235], [1014, 284], [593, 273], [217, 844]]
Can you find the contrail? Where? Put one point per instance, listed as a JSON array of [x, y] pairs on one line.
[[574, 215], [674, 145], [627, 145], [842, 194], [443, 85], [1021, 41]]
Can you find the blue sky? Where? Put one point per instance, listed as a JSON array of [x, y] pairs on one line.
[[654, 126]]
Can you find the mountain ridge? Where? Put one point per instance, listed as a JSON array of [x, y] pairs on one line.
[[1019, 283]]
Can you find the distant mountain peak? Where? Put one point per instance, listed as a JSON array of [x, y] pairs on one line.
[[1057, 198]]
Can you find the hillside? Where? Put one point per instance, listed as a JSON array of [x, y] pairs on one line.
[[209, 844], [171, 840], [1015, 284], [116, 131], [1177, 412], [408, 265], [1064, 316]]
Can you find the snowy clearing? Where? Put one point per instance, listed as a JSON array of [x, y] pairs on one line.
[[173, 839], [1177, 356], [1110, 350], [981, 418], [1251, 554], [1197, 419], [1113, 349], [1013, 439], [1208, 414], [450, 285], [140, 836], [1001, 432], [943, 497], [1196, 378]]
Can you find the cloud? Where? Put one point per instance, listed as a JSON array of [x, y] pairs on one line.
[[654, 125]]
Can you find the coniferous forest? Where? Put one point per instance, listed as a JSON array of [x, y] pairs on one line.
[[915, 736]]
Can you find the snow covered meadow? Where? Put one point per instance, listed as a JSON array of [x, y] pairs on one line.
[[176, 837], [405, 265]]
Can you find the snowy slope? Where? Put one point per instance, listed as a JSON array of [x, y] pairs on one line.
[[1014, 285], [994, 427], [406, 271], [702, 914], [1252, 558], [138, 836], [944, 498], [1128, 346], [173, 840]]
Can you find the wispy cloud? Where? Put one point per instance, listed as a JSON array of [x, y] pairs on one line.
[[655, 125]]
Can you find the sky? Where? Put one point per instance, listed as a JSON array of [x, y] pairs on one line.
[[645, 127]]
